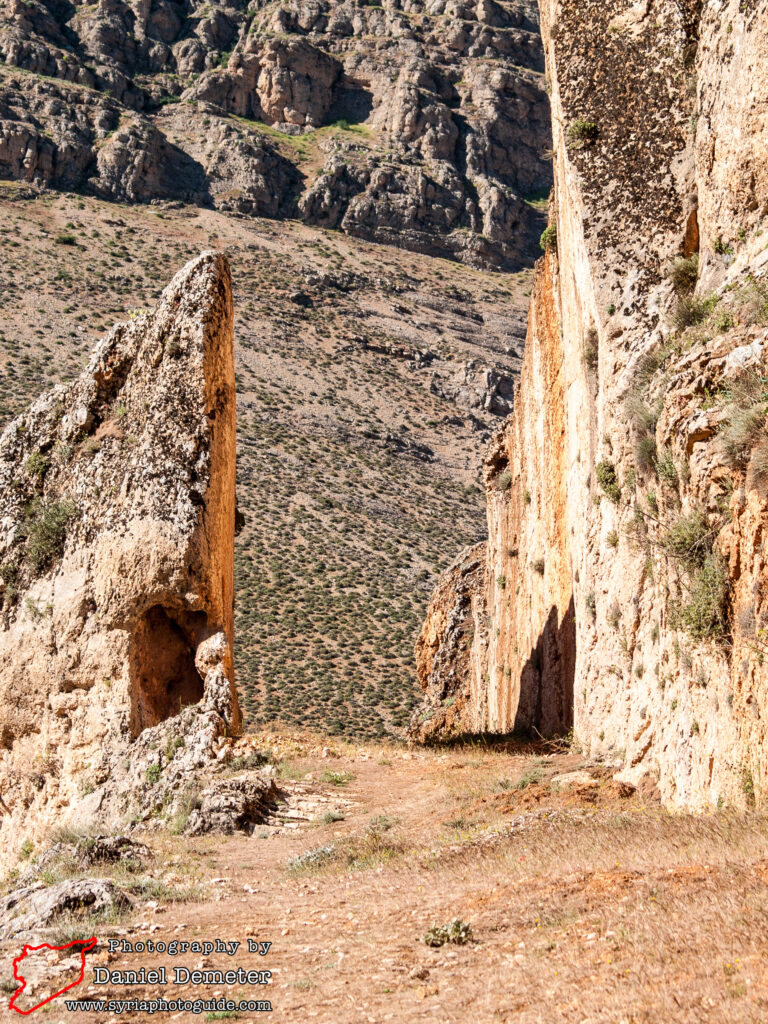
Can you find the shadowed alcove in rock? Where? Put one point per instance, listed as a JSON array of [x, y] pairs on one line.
[[164, 679], [546, 681]]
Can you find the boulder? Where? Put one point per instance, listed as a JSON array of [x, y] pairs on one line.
[[30, 909]]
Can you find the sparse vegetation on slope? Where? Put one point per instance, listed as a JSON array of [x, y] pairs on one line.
[[352, 469]]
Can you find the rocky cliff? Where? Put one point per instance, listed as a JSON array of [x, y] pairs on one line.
[[117, 519], [424, 125], [624, 590]]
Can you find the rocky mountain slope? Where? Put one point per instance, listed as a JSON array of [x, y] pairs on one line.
[[118, 522], [623, 588], [369, 381], [420, 124]]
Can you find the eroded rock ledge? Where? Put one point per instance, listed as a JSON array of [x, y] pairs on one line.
[[117, 520]]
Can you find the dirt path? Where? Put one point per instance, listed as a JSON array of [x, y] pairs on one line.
[[585, 905]]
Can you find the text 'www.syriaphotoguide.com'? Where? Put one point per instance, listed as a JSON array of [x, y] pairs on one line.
[[165, 1005]]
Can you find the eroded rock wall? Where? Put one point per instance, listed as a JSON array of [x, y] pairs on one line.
[[625, 581], [117, 518]]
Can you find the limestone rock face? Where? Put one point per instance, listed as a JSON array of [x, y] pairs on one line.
[[28, 909], [454, 633], [425, 128], [275, 80], [625, 578], [117, 517]]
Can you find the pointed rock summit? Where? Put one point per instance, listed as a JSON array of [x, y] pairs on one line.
[[117, 522]]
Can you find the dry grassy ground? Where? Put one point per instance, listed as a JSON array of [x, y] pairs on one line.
[[346, 521], [585, 905]]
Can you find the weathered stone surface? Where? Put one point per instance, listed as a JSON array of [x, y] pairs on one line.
[[280, 81], [117, 518], [599, 615], [234, 805], [454, 633], [29, 909], [478, 387], [87, 852]]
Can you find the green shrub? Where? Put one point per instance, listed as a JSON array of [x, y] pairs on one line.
[[66, 240], [665, 467], [689, 311], [374, 847], [608, 481], [748, 786], [703, 613], [46, 531], [581, 133], [639, 414], [591, 350], [645, 453], [759, 463], [37, 465], [744, 425], [456, 931], [548, 240], [504, 482], [753, 302], [337, 778], [689, 539], [722, 248], [684, 273], [532, 777], [9, 572]]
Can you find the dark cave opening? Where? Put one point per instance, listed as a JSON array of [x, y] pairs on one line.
[[163, 673]]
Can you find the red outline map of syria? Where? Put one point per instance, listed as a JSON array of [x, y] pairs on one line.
[[87, 946]]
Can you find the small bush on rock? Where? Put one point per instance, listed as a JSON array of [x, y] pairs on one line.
[[548, 240], [581, 133], [608, 481], [46, 529], [684, 273]]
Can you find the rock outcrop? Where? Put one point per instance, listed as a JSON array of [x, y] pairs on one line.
[[29, 909], [424, 127], [625, 580], [117, 519]]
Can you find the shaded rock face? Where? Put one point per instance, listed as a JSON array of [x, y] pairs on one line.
[[117, 521], [423, 127], [234, 805], [453, 634], [625, 578]]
